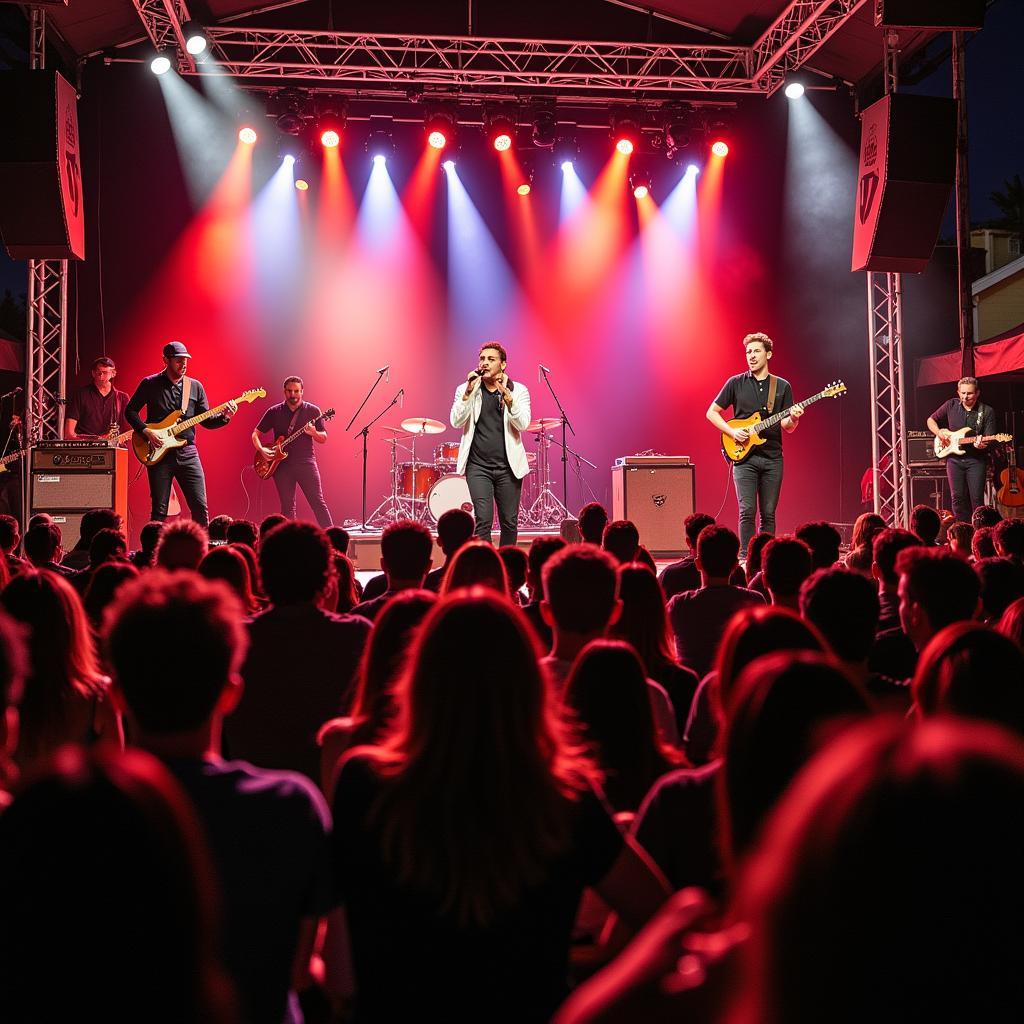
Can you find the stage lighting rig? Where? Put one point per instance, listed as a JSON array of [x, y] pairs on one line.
[[678, 135], [247, 135], [794, 88], [501, 131], [160, 63], [720, 148], [195, 38], [545, 129], [439, 128], [329, 127], [380, 143], [626, 132], [640, 183], [292, 111], [565, 150]]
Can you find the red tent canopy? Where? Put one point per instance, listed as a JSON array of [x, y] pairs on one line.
[[1001, 354]]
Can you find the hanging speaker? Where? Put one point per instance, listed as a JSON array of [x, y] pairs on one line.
[[907, 167], [42, 212], [951, 15]]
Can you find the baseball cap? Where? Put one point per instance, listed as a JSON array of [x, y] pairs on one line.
[[176, 350]]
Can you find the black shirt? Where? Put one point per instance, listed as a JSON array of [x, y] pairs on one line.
[[94, 413], [981, 419], [748, 395], [488, 448], [278, 418], [161, 398]]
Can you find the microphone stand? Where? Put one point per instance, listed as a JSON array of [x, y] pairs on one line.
[[565, 449], [580, 478], [365, 433]]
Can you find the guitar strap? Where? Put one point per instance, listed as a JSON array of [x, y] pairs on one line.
[[291, 426], [186, 393], [773, 386]]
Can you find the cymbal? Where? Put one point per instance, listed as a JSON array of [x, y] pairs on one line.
[[393, 430], [423, 425], [544, 424]]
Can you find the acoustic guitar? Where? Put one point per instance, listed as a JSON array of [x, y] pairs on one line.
[[957, 438], [1010, 496], [265, 467], [172, 425], [736, 452]]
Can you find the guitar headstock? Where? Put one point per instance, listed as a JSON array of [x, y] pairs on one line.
[[834, 390], [252, 395], [328, 415]]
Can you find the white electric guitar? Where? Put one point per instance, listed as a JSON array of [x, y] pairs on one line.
[[959, 437]]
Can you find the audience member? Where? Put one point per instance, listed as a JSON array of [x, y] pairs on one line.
[[476, 564], [345, 585], [39, 519], [149, 537], [541, 549], [1002, 582], [267, 830], [887, 546], [276, 519], [182, 545], [925, 524], [254, 570], [516, 568], [14, 668], [753, 564], [569, 530], [935, 589], [10, 538], [243, 531], [861, 554], [959, 537], [1008, 537], [406, 549], [593, 518], [302, 661], [108, 545], [93, 521], [985, 515], [454, 528], [787, 563], [218, 529], [337, 535], [104, 583], [824, 540], [44, 548], [678, 577], [983, 544], [621, 539], [228, 564], [644, 557], [1012, 622]]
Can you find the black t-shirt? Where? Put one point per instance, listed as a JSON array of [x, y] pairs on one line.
[[94, 413], [748, 395], [278, 418], [413, 962], [678, 577], [488, 448], [981, 419]]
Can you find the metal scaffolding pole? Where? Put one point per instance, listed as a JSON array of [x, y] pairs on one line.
[[963, 212], [885, 340]]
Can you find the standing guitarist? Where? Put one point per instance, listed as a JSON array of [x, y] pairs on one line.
[[300, 467], [965, 473], [162, 393], [94, 409], [758, 478]]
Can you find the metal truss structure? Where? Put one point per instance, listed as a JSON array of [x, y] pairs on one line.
[[163, 21]]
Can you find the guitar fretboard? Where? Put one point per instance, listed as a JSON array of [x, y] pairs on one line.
[[193, 420], [780, 416]]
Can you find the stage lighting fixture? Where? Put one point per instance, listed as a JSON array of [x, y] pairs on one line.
[[440, 129], [794, 90], [160, 64], [565, 151], [379, 142], [525, 185], [545, 129], [626, 133], [501, 130], [720, 148], [248, 136], [640, 183], [329, 126], [301, 184], [524, 189], [195, 38], [692, 169], [449, 165], [677, 136]]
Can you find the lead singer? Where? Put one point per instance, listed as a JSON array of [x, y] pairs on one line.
[[491, 452]]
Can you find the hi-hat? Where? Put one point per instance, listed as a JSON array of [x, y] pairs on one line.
[[423, 425], [545, 424]]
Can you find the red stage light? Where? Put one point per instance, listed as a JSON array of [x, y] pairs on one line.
[[248, 136], [524, 189], [624, 146], [502, 142], [641, 191], [720, 148], [329, 138], [437, 139]]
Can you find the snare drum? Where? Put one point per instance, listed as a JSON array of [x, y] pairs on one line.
[[449, 492], [446, 453], [426, 476]]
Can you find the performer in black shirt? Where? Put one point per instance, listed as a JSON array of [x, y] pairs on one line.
[[162, 393], [300, 467], [491, 453], [92, 410], [965, 473], [758, 478]]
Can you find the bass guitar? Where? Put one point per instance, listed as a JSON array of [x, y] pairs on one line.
[[172, 425], [265, 467], [1010, 496], [958, 438], [734, 451]]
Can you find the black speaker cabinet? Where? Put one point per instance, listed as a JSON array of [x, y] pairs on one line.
[[966, 15], [657, 494]]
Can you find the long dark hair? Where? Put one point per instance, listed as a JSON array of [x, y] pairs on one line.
[[481, 767], [227, 563], [644, 620]]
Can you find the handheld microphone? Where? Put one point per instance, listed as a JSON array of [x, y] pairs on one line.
[[542, 368], [479, 373], [387, 370], [401, 398]]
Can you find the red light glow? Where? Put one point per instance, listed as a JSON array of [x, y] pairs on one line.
[[524, 189], [502, 142], [330, 138], [248, 136], [437, 139], [720, 148], [624, 146]]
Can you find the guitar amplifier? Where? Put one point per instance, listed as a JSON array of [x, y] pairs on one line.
[[657, 493], [921, 449], [70, 478]]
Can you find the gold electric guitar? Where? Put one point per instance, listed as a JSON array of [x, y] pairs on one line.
[[172, 425], [8, 459], [958, 438], [736, 452]]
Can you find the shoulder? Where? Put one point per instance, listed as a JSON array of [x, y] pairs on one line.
[[519, 388], [782, 382], [351, 622]]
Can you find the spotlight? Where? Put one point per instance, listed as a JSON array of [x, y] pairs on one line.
[[248, 136], [329, 126], [292, 111], [720, 148], [692, 169], [526, 185], [301, 184], [626, 133], [195, 38], [624, 146], [289, 159], [566, 165], [565, 151], [380, 159], [160, 64], [677, 136], [640, 183], [330, 139], [545, 129], [524, 189], [379, 142], [794, 90], [449, 165], [440, 129], [501, 130]]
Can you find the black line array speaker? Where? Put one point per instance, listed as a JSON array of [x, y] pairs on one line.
[[907, 166], [966, 15], [42, 212], [657, 494]]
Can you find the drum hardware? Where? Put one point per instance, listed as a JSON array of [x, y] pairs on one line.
[[546, 510], [411, 481]]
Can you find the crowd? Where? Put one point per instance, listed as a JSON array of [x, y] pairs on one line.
[[779, 785]]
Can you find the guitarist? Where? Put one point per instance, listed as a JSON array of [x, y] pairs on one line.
[[966, 473], [758, 478], [94, 408], [162, 393], [300, 467]]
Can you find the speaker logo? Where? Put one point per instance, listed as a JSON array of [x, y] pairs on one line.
[[871, 146], [659, 499], [867, 192], [71, 170]]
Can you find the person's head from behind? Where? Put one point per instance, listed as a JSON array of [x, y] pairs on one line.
[[39, 519], [644, 619], [516, 564], [983, 544], [718, 550], [985, 515], [337, 535], [541, 549], [135, 839], [43, 544], [866, 528], [345, 584], [1012, 623], [273, 521], [159, 698], [93, 521], [1002, 582], [295, 564], [785, 705], [925, 523], [621, 539], [454, 528], [13, 669], [593, 518], [580, 591], [786, 563], [149, 537], [692, 526], [959, 537], [971, 670], [10, 534], [942, 799], [824, 540], [243, 531], [1008, 537], [182, 545], [218, 529], [475, 564], [887, 546], [108, 545], [227, 563], [107, 579], [608, 692], [844, 606], [755, 554], [406, 549], [936, 588]]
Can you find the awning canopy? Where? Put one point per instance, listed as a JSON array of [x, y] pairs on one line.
[[1002, 354]]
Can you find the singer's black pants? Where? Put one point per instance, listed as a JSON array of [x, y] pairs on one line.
[[489, 485]]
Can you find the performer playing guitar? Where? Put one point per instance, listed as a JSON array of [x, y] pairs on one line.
[[298, 464], [94, 408]]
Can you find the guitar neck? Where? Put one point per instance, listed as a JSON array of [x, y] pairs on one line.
[[295, 433], [11, 457], [193, 420], [780, 416]]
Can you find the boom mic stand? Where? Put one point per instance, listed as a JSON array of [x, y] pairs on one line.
[[365, 432], [544, 374]]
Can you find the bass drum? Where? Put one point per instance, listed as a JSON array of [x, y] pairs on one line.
[[449, 492]]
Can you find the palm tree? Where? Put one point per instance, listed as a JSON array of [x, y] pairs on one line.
[[1011, 205]]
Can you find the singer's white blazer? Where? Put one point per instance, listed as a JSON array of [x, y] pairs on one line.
[[517, 419]]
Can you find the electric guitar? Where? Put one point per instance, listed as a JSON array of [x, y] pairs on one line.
[[265, 467], [957, 438], [8, 459], [1010, 497], [172, 425], [736, 452]]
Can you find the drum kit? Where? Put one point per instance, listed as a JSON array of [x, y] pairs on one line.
[[424, 490]]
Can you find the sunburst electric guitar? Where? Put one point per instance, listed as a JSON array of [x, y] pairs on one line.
[[265, 467], [736, 452], [172, 425]]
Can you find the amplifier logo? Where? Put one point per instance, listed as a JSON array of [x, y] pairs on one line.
[[659, 499], [71, 461]]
